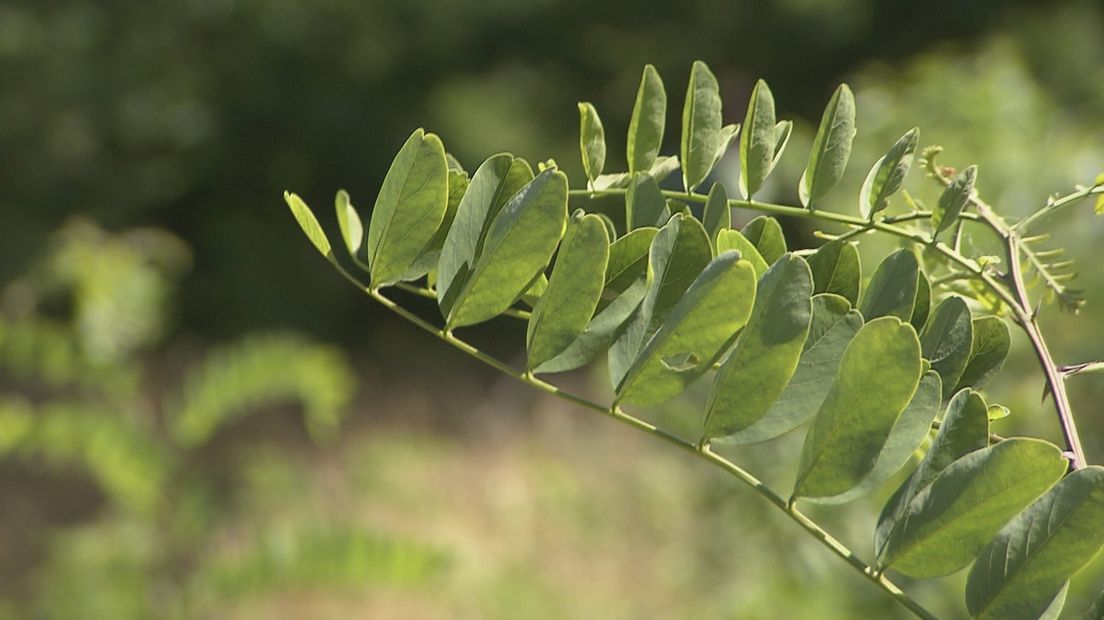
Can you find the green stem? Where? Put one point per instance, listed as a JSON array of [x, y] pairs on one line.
[[1058, 204], [703, 452]]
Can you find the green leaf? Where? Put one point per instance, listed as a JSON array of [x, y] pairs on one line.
[[1028, 563], [660, 170], [728, 134], [409, 208], [306, 220], [644, 202], [348, 221], [535, 290], [717, 215], [767, 352], [877, 377], [735, 240], [908, 433], [948, 522], [947, 341], [701, 126], [611, 229], [965, 429], [892, 288], [700, 328], [600, 333], [679, 252], [837, 269], [629, 259], [831, 148], [833, 326], [765, 234], [997, 412], [887, 175], [565, 309], [922, 308], [991, 342], [953, 200], [649, 117], [757, 143], [495, 182], [782, 131], [519, 245], [592, 140], [431, 255]]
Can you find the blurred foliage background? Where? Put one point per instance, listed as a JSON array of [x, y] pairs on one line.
[[199, 420]]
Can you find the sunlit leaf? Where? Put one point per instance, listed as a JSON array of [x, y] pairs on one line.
[[306, 220], [945, 525], [600, 332], [519, 245], [908, 433], [877, 377], [767, 351], [409, 208], [953, 200], [735, 240], [649, 116], [757, 143], [348, 222], [568, 303], [701, 326], [831, 148], [887, 175], [701, 125], [592, 140], [495, 181]]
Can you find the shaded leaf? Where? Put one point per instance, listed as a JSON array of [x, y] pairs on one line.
[[991, 343], [953, 200], [519, 245], [701, 326], [409, 208], [831, 147], [646, 126], [947, 341], [735, 240], [836, 269], [945, 525], [892, 288], [922, 308], [757, 144], [765, 234], [767, 351], [782, 131], [660, 170], [565, 309], [716, 215], [701, 125], [887, 174], [644, 202], [495, 181], [877, 377]]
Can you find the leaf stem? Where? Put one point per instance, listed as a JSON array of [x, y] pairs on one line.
[[703, 452]]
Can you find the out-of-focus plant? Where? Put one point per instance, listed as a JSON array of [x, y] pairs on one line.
[[78, 395], [877, 368]]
